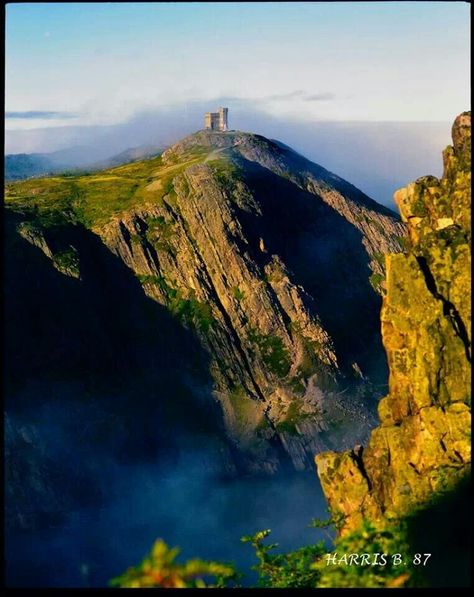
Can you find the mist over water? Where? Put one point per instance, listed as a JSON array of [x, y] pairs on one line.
[[184, 505]]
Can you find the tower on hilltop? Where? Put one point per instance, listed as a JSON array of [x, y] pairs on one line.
[[216, 121]]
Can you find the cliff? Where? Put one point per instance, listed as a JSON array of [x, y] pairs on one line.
[[274, 265], [421, 447]]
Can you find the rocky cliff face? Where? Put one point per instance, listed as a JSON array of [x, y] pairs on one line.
[[273, 263], [422, 445]]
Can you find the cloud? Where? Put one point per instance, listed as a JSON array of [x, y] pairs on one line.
[[45, 115], [285, 96], [319, 97], [299, 94]]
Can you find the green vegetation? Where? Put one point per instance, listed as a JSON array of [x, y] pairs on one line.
[[371, 541], [182, 303], [190, 310], [378, 226], [191, 153], [294, 415], [379, 258], [404, 242], [418, 207], [160, 569], [376, 282], [237, 293], [286, 175], [247, 412], [363, 217], [311, 566], [272, 352], [93, 198], [224, 170], [310, 364], [152, 279], [67, 260], [160, 233], [136, 239], [291, 570], [74, 173]]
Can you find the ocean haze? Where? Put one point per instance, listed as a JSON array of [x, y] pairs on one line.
[[377, 157]]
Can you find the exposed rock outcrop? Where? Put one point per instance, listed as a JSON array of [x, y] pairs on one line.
[[422, 445], [274, 262], [252, 314]]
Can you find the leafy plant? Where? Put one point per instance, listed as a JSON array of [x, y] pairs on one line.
[[160, 569], [311, 566], [337, 572], [288, 570]]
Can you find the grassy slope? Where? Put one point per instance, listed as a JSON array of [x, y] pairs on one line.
[[93, 199]]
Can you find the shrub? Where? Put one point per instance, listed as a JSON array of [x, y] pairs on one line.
[[160, 570], [291, 570]]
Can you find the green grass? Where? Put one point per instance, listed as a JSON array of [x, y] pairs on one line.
[[376, 282], [237, 293], [67, 260], [294, 415], [94, 198], [379, 258], [182, 303], [160, 233], [272, 352], [223, 169]]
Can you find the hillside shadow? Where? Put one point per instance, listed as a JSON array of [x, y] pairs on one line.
[[443, 529], [299, 162], [325, 255], [101, 330], [96, 375]]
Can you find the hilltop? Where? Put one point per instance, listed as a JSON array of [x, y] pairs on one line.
[[268, 265]]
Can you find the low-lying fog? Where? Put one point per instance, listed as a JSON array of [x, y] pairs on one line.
[[184, 506], [377, 157]]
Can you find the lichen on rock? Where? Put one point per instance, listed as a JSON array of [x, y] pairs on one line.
[[422, 445]]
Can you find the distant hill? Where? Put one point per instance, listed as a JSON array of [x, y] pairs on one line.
[[128, 156], [25, 165], [21, 166]]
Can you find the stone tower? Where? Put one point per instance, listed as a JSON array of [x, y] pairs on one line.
[[217, 121]]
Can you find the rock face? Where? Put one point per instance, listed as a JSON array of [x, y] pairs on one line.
[[422, 444], [274, 263]]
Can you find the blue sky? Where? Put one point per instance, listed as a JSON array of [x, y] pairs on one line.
[[102, 63]]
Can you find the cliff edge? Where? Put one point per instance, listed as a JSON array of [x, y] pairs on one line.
[[422, 444]]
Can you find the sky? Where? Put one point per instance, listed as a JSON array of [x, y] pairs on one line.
[[103, 63]]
